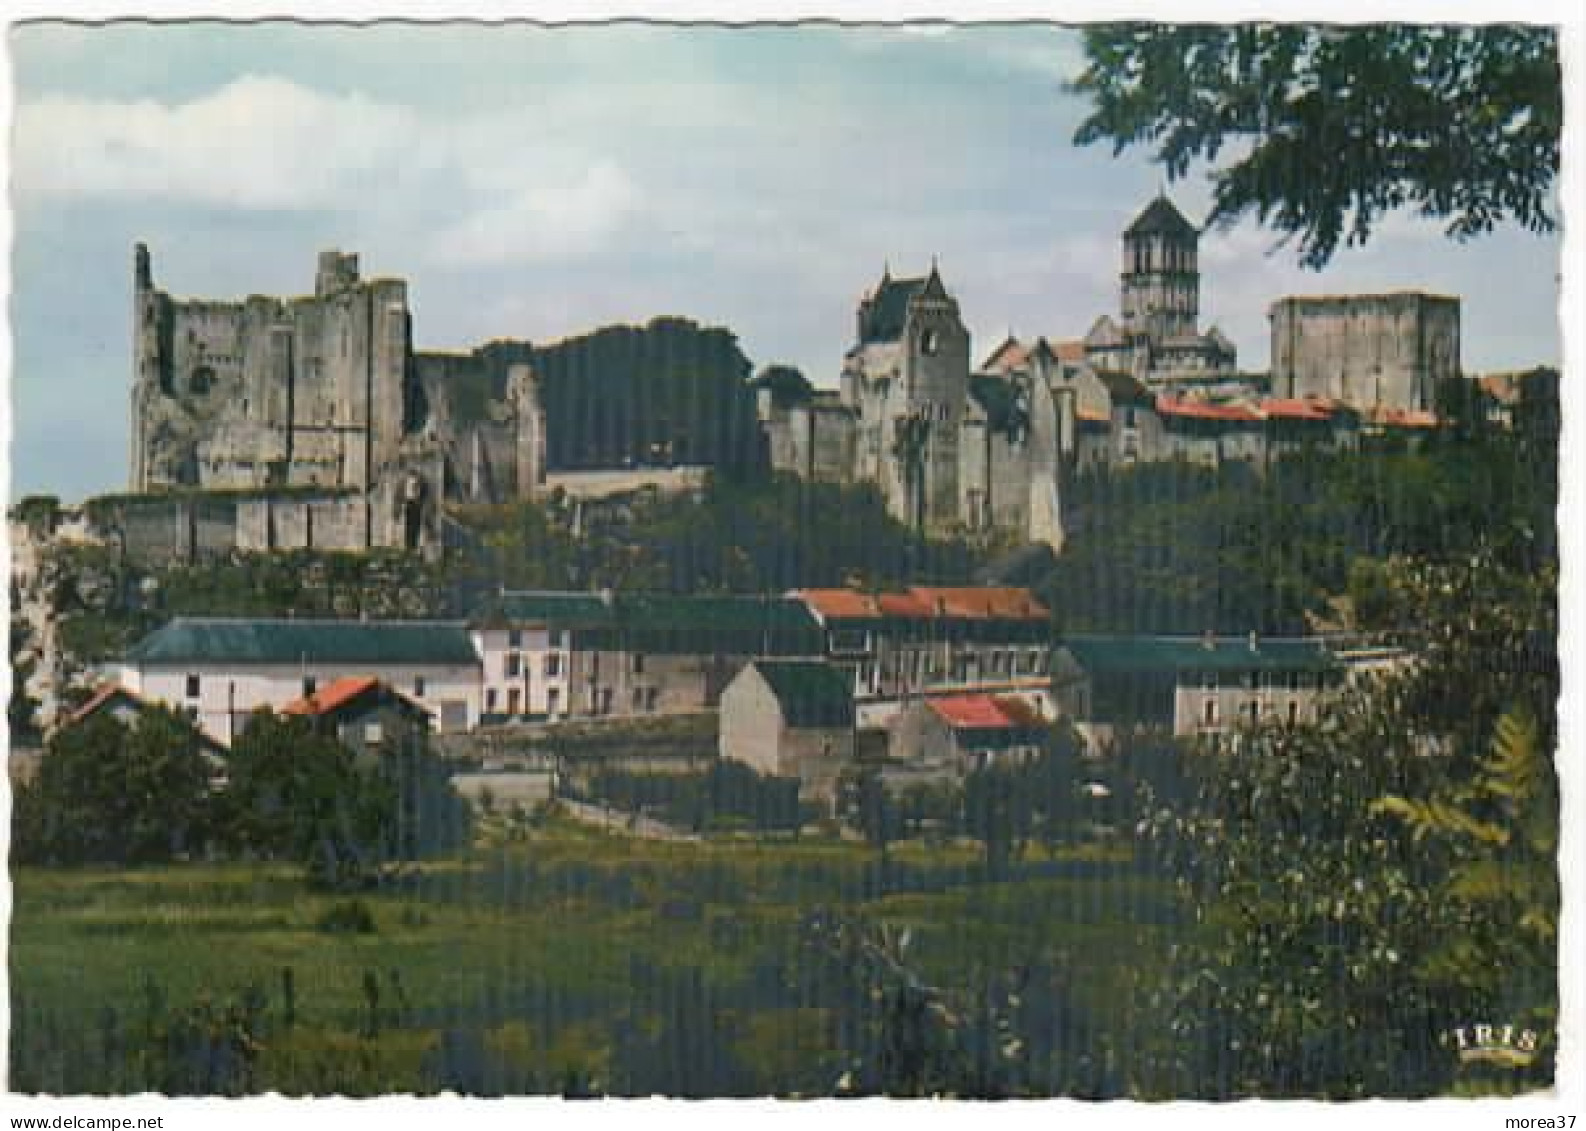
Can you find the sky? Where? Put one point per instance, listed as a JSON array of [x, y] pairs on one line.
[[535, 183]]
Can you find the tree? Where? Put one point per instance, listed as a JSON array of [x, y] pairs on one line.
[[1370, 884], [1331, 128], [296, 794], [113, 794], [1499, 900]]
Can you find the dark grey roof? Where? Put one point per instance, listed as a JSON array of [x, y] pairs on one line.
[[1124, 388], [1134, 654], [246, 641], [1000, 400], [812, 693], [888, 308], [1161, 218]]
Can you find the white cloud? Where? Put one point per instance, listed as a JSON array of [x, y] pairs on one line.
[[543, 220], [257, 143]]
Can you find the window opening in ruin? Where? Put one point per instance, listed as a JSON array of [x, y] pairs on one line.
[[203, 380]]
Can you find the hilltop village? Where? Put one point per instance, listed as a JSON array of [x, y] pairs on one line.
[[313, 424]]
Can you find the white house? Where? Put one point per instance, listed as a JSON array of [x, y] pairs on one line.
[[524, 639], [220, 670]]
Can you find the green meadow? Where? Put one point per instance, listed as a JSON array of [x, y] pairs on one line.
[[561, 960]]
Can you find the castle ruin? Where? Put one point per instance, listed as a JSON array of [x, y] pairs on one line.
[[319, 393]]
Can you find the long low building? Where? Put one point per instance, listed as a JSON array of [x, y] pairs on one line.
[[221, 670], [1202, 685]]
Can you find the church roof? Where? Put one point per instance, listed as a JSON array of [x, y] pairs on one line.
[[999, 399], [1161, 218], [888, 306]]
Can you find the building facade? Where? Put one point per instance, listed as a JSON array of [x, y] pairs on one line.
[[900, 646], [220, 670]]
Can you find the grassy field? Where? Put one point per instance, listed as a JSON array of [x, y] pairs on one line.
[[567, 960]]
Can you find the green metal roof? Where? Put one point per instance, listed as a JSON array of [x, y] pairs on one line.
[[550, 607], [812, 693], [246, 641], [1114, 655], [650, 612]]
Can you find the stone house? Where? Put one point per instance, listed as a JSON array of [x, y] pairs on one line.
[[957, 734], [932, 639], [220, 670], [791, 718], [657, 654], [365, 713]]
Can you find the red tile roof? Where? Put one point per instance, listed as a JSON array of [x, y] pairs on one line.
[[1199, 410], [1007, 357], [1403, 418], [984, 712], [1002, 602], [840, 602], [338, 693], [920, 602], [1089, 416], [1279, 409], [102, 696], [907, 604]]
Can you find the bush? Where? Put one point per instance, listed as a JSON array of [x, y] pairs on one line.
[[347, 917]]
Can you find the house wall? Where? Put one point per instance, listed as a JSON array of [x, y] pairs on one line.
[[623, 682], [539, 686], [1277, 697], [228, 694], [751, 730]]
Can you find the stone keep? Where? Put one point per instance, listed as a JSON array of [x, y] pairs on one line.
[[305, 391], [1385, 351], [320, 391]]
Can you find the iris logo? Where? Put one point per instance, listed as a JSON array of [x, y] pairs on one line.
[[1496, 1044]]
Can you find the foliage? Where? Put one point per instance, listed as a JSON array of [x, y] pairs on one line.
[[1373, 882], [580, 962], [1327, 129], [1499, 902], [296, 793], [1176, 548], [729, 794], [107, 793]]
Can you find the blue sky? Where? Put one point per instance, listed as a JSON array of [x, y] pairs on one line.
[[536, 183]]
